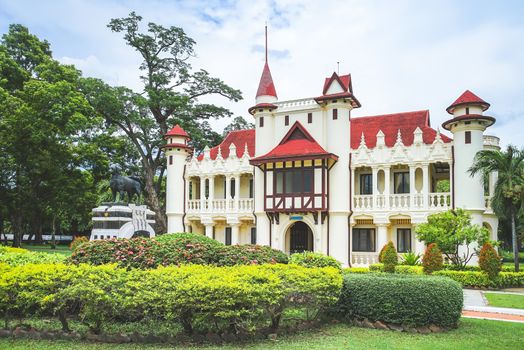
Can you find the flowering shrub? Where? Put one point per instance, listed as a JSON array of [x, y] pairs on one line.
[[173, 249], [489, 261], [77, 241], [310, 259], [432, 260]]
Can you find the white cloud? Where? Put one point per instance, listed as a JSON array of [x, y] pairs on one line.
[[403, 55]]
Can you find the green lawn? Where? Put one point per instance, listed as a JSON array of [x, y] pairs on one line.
[[472, 334], [505, 300], [60, 249]]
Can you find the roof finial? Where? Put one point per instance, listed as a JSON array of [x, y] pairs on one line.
[[266, 41], [338, 68]]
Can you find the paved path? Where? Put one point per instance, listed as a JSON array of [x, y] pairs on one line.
[[476, 306]]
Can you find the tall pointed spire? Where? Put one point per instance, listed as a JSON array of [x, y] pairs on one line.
[[266, 42], [266, 87]]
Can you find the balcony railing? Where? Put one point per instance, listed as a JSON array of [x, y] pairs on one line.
[[408, 201], [363, 259], [220, 206]]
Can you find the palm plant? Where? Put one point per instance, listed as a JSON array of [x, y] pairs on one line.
[[508, 192], [411, 258]]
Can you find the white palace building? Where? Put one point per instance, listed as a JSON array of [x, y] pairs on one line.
[[312, 177]]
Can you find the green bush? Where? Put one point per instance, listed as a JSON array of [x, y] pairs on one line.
[[411, 258], [17, 256], [399, 299], [400, 269], [204, 298], [381, 254], [489, 261], [479, 279], [310, 259], [389, 257], [451, 267], [77, 241], [432, 259], [173, 249], [356, 270]]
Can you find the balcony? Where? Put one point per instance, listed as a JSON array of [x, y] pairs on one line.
[[220, 206], [402, 202]]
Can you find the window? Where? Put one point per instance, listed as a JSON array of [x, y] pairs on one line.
[[206, 189], [403, 240], [363, 239], [225, 188], [253, 235], [401, 182], [468, 137], [467, 110], [335, 114], [190, 189], [286, 120], [261, 122], [310, 118], [170, 160], [233, 188], [250, 188], [228, 236], [366, 184], [289, 181]]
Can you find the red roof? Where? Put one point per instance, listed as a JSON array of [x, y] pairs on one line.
[[177, 131], [467, 98], [297, 143], [407, 122], [239, 138], [266, 86], [344, 81]]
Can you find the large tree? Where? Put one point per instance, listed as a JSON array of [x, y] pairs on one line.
[[170, 95], [509, 188]]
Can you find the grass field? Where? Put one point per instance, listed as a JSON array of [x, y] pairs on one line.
[[60, 249], [472, 334], [505, 300]]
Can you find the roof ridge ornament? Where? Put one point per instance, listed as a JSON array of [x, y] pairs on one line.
[[399, 137], [362, 140], [219, 153]]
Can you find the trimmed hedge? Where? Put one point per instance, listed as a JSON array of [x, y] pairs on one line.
[[19, 256], [400, 269], [203, 298], [478, 279], [173, 249], [310, 259], [400, 299]]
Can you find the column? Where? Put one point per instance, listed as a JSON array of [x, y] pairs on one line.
[[187, 195], [382, 236], [353, 182], [202, 193], [451, 188], [425, 185], [419, 246], [235, 233], [374, 180], [211, 192], [228, 192], [387, 190], [412, 189], [209, 230], [237, 191]]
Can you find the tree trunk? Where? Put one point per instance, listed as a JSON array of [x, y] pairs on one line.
[[154, 203], [53, 241], [514, 241], [18, 233]]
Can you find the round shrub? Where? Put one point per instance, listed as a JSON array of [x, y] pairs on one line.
[[311, 259], [408, 300], [432, 260], [489, 260], [77, 241], [187, 238], [389, 257]]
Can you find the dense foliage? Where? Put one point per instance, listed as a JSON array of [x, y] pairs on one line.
[[432, 260], [77, 241], [411, 258], [454, 234], [18, 256], [480, 279], [402, 269], [202, 298], [311, 259], [489, 260], [389, 257], [401, 299], [173, 249]]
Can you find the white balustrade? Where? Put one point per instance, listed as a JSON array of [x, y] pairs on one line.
[[363, 259], [399, 201], [196, 206], [440, 201], [363, 201]]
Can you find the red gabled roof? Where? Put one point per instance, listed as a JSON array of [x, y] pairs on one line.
[[266, 86], [239, 138], [406, 122], [177, 131], [467, 97], [297, 143], [343, 80]]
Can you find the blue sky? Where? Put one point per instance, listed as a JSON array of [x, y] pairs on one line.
[[403, 55]]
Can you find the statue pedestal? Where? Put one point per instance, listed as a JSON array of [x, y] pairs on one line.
[[122, 220]]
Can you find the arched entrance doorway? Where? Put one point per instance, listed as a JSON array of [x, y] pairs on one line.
[[300, 238]]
